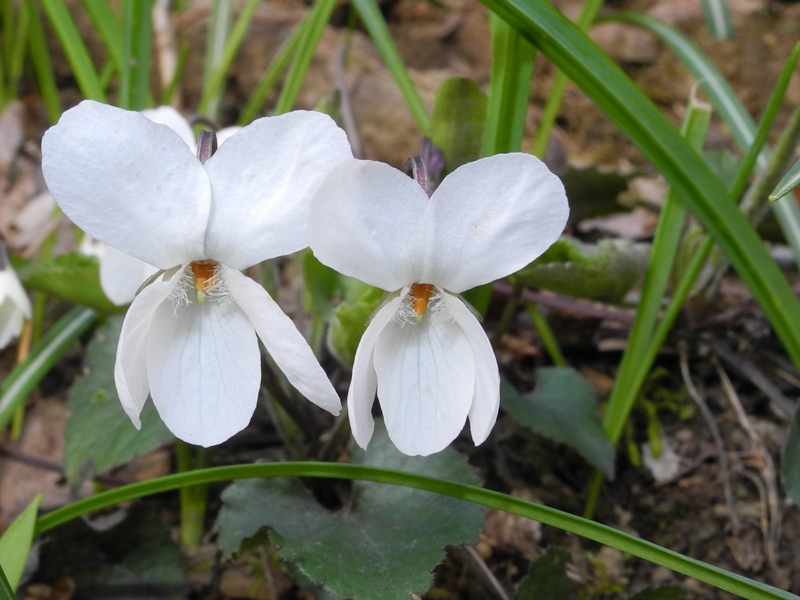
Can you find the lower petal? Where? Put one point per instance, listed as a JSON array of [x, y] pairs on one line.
[[204, 369], [486, 401], [130, 369], [364, 382], [426, 381], [285, 344]]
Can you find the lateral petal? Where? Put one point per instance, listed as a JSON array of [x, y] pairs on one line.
[[128, 182], [285, 344], [426, 381], [364, 382], [166, 115], [367, 222], [204, 369], [490, 218], [486, 401], [130, 368], [262, 179], [121, 275]]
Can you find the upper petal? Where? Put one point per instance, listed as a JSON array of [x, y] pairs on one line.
[[204, 369], [486, 400], [367, 222], [364, 382], [166, 115], [128, 182], [287, 347], [130, 369], [262, 179], [490, 218], [426, 381]]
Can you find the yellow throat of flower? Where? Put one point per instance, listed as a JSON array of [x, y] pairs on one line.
[[420, 295], [204, 272]]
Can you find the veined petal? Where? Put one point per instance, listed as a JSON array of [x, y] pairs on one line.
[[204, 369], [128, 182], [262, 179], [426, 381], [486, 401], [490, 218], [166, 115], [287, 347], [121, 275], [364, 382], [367, 222], [130, 369]]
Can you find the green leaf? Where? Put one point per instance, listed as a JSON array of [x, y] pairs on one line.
[[592, 192], [349, 323], [614, 93], [790, 463], [790, 181], [73, 277], [717, 14], [15, 544], [6, 592], [666, 592], [547, 579], [605, 271], [562, 408], [385, 538], [98, 434], [457, 122]]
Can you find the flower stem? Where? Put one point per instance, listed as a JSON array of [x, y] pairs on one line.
[[547, 335], [193, 497]]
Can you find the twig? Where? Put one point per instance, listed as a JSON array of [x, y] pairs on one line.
[[478, 566], [771, 524], [46, 465], [712, 425]]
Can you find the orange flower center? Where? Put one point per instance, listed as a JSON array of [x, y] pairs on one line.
[[204, 272], [420, 296]]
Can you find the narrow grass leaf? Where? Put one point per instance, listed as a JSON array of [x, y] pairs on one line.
[[37, 50], [109, 28], [218, 28], [717, 14], [6, 592], [15, 543], [790, 181], [379, 32]]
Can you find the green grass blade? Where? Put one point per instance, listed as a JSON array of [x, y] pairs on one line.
[[614, 93], [720, 578], [717, 14], [312, 32], [216, 82], [137, 30], [16, 55], [37, 49], [727, 104], [26, 375], [633, 369], [74, 49], [790, 181], [109, 29], [15, 543], [559, 86], [379, 32], [215, 47], [6, 592], [509, 89]]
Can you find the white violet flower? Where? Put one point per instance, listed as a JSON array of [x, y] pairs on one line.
[[424, 351], [190, 338], [15, 306]]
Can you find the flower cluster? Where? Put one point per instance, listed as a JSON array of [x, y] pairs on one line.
[[190, 337]]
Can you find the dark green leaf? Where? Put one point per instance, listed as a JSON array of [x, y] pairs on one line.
[[385, 538], [98, 434], [592, 192], [605, 271], [320, 285], [6, 592], [666, 592], [15, 544], [457, 122], [562, 407], [547, 579], [790, 465], [74, 277]]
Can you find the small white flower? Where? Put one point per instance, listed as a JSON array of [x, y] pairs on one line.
[[121, 275], [15, 306], [189, 338], [424, 352]]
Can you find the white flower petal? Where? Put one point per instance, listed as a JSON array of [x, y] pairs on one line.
[[226, 133], [204, 369], [121, 275], [11, 321], [166, 115], [367, 222], [128, 182], [288, 348], [426, 381], [11, 288], [130, 369], [490, 218], [262, 181], [364, 382], [486, 401]]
